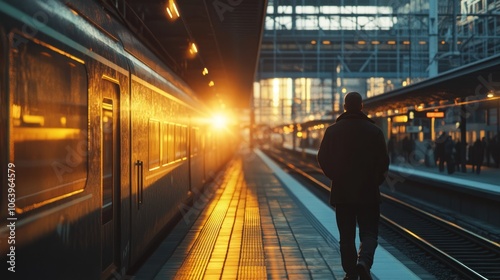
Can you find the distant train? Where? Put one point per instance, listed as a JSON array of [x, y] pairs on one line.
[[101, 144]]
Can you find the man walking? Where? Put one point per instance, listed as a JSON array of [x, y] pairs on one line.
[[354, 156]]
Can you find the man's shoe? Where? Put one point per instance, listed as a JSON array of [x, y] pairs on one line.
[[363, 271]]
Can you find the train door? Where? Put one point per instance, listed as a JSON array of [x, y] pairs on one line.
[[139, 112], [110, 181]]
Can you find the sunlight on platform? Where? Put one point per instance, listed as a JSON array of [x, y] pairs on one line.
[[229, 244]]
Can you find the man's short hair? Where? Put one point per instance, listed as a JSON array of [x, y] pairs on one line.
[[353, 101]]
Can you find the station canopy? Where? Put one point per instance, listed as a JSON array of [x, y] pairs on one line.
[[472, 83]]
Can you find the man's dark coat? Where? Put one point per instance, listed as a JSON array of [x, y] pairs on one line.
[[353, 154]]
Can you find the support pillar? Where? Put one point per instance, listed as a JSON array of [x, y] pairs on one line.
[[463, 137], [433, 38]]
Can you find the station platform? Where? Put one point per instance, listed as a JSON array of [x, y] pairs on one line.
[[488, 181], [257, 222]]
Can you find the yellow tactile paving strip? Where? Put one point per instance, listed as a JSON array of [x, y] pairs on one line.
[[229, 242], [252, 261]]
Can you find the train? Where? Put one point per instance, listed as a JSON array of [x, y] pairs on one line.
[[102, 145]]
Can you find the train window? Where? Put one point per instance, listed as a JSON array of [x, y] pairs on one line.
[[49, 116], [194, 141], [183, 147], [180, 142], [177, 141], [171, 146], [154, 144], [186, 140], [164, 143]]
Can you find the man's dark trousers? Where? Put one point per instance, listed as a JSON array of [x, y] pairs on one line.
[[367, 216]]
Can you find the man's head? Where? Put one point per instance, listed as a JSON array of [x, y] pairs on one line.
[[353, 102]]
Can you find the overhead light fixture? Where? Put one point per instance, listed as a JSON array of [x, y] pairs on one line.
[[175, 9], [205, 71], [211, 84], [193, 49], [172, 11]]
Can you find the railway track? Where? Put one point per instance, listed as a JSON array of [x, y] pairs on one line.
[[467, 254]]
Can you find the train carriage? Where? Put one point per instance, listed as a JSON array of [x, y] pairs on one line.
[[106, 144]]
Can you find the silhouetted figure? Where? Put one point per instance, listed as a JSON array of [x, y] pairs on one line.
[[487, 150], [353, 155], [478, 151], [449, 151], [391, 149], [439, 153], [472, 157], [495, 150], [407, 148], [460, 160]]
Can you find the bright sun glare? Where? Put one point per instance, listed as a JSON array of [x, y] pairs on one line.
[[219, 121]]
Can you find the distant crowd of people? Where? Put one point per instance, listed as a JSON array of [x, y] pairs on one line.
[[455, 155]]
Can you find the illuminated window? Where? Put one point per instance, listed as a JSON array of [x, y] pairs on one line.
[[154, 144], [164, 131], [194, 141], [49, 118], [171, 142]]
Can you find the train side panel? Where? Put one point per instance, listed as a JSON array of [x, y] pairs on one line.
[[56, 196], [106, 143], [58, 131], [159, 154], [196, 153]]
